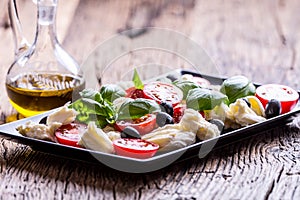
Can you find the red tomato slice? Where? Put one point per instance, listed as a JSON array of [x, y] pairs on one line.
[[135, 148], [69, 134], [134, 93], [178, 112], [286, 95], [163, 92], [143, 125]]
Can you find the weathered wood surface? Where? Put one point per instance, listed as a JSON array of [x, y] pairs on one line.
[[257, 38]]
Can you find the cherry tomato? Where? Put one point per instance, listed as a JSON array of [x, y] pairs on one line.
[[135, 148], [69, 134], [143, 125], [134, 93], [286, 95], [163, 92], [178, 112]]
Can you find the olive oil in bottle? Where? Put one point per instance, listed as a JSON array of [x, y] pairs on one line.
[[44, 76], [32, 94]]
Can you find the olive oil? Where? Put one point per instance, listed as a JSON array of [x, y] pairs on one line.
[[32, 94]]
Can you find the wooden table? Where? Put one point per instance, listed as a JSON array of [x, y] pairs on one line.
[[260, 39]]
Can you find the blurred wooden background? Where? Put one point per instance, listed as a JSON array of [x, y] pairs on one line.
[[260, 39]]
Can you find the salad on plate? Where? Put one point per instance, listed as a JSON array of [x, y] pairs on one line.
[[140, 119]]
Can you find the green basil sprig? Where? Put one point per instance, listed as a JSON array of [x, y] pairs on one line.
[[237, 87], [137, 108], [204, 99], [110, 92], [92, 107], [138, 84], [185, 86]]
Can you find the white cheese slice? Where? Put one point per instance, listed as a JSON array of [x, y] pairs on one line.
[[240, 113], [64, 116], [39, 131], [175, 136], [94, 138]]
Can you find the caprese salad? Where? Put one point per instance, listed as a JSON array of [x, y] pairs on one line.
[[143, 118]]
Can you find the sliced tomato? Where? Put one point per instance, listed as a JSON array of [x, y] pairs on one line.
[[178, 112], [163, 92], [143, 125], [135, 148], [287, 96], [134, 93], [69, 134]]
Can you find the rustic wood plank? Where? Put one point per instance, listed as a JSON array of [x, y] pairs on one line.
[[220, 32], [222, 174]]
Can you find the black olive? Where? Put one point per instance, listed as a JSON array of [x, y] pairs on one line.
[[248, 103], [43, 120], [163, 118], [130, 132], [273, 108], [218, 123], [167, 108]]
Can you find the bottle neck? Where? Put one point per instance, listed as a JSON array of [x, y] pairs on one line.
[[46, 29]]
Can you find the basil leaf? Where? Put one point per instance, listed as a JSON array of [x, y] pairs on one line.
[[110, 92], [138, 84], [237, 87], [92, 107], [91, 94], [185, 86], [137, 108], [204, 99]]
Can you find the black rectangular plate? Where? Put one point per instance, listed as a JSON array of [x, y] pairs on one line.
[[200, 149]]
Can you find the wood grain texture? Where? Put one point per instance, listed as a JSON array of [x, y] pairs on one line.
[[259, 39]]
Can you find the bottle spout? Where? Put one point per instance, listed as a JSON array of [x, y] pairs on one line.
[[20, 42]]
